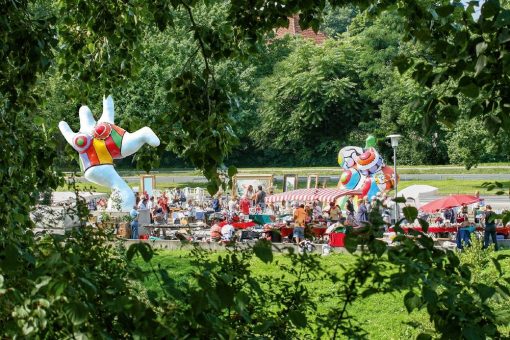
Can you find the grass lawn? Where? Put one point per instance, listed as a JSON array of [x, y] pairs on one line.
[[446, 186], [383, 316]]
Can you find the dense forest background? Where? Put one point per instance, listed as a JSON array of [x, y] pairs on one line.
[[292, 102]]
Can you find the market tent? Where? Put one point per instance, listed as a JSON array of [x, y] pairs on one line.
[[449, 202], [322, 195], [414, 192]]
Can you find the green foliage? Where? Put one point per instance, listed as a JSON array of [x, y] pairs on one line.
[[81, 286], [337, 20], [229, 301], [465, 50], [442, 285], [312, 98], [469, 139]]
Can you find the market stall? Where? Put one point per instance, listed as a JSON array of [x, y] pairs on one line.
[[449, 202], [325, 195], [454, 228]]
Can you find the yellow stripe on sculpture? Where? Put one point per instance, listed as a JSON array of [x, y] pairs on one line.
[[102, 152]]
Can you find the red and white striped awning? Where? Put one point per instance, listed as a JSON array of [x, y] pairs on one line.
[[322, 195]]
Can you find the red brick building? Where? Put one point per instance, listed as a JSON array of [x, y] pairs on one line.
[[295, 29]]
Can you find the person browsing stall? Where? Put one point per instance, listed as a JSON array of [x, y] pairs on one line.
[[249, 194], [227, 233], [490, 228], [349, 206], [260, 198], [334, 212], [142, 205], [163, 204], [134, 222], [244, 206], [362, 215], [215, 232], [300, 216], [216, 203], [179, 196]]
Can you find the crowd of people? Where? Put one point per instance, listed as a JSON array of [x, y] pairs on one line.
[[467, 221], [230, 208]]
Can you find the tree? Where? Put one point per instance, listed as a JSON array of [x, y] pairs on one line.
[[310, 102], [337, 20], [100, 43]]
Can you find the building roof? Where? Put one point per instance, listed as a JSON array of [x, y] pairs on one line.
[[295, 29]]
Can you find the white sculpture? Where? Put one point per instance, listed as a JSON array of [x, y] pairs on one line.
[[99, 143]]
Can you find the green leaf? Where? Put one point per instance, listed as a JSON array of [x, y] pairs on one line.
[[504, 36], [424, 225], [503, 19], [410, 213], [490, 8], [146, 251], [379, 247], [88, 286], [473, 332], [131, 251], [423, 336], [411, 301], [266, 324], [429, 295], [506, 218], [481, 47], [232, 171], [470, 90], [263, 250], [480, 64], [484, 291], [298, 318], [399, 199], [351, 242], [445, 11], [77, 312], [497, 265], [212, 188], [402, 63]]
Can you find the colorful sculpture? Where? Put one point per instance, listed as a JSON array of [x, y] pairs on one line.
[[364, 169], [98, 144]]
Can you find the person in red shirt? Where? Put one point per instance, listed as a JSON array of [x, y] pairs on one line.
[[215, 231], [244, 205], [163, 204]]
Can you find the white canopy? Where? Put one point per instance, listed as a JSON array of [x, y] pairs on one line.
[[414, 192]]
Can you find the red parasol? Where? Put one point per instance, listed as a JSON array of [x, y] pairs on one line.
[[449, 202]]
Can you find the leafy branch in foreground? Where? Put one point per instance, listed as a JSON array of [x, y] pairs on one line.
[[501, 190]]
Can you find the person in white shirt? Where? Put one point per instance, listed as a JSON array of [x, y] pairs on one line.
[[142, 204], [151, 205], [317, 210], [232, 204], [227, 233]]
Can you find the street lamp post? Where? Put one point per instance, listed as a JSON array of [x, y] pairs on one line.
[[394, 143]]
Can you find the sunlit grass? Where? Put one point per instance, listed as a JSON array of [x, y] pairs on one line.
[[383, 316]]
